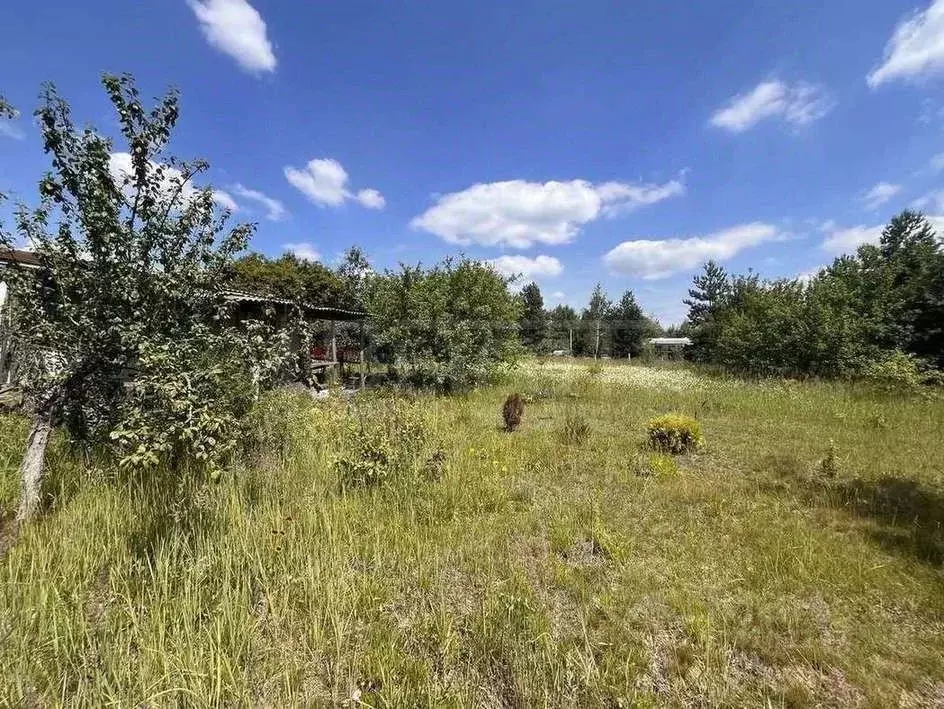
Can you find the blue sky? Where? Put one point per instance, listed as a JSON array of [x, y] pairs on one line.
[[576, 142]]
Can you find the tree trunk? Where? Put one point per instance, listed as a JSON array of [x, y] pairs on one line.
[[596, 351], [33, 466]]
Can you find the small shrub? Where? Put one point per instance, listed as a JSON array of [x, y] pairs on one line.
[[276, 422], [896, 370], [512, 411], [381, 445], [575, 429], [829, 465], [674, 433], [658, 465]]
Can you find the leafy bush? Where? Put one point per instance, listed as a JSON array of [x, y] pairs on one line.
[[451, 326], [895, 370], [659, 465], [382, 443], [575, 429], [674, 433]]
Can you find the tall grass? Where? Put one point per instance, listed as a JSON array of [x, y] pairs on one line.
[[529, 571]]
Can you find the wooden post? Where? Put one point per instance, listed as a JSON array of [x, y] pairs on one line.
[[334, 348], [596, 351], [363, 373], [571, 341]]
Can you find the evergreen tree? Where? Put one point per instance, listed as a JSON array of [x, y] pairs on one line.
[[709, 292], [629, 327], [533, 318], [912, 261], [562, 321]]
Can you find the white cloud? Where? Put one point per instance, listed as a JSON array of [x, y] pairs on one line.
[[275, 210], [933, 200], [558, 295], [843, 241], [225, 200], [847, 240], [304, 250], [527, 268], [937, 163], [652, 259], [798, 105], [880, 194], [518, 213], [915, 49], [9, 129], [236, 28], [119, 165], [808, 276], [372, 199], [324, 182]]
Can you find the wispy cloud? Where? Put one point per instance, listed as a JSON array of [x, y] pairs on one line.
[[9, 129], [847, 240], [879, 194], [275, 210], [915, 49], [121, 170], [796, 104]]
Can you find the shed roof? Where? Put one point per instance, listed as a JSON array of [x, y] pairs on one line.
[[681, 341], [29, 259], [323, 312], [21, 257]]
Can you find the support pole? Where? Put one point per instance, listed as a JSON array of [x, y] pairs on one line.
[[334, 348], [363, 373]]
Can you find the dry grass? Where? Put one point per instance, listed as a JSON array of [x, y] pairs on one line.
[[528, 571]]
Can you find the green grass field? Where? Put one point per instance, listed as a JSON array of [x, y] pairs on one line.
[[540, 567]]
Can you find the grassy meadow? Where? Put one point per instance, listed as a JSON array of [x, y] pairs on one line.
[[562, 564]]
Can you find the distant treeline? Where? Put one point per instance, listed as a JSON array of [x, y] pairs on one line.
[[882, 306]]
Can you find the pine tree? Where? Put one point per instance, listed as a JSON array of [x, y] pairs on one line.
[[629, 326], [533, 318], [562, 321], [709, 292]]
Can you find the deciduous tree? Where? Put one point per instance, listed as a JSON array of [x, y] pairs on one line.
[[121, 330], [450, 326]]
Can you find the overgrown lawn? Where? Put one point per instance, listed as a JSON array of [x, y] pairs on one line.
[[558, 565]]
